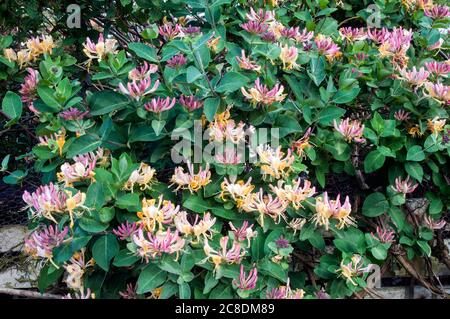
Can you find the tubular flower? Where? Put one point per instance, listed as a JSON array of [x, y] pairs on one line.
[[101, 49], [305, 36], [260, 16], [352, 269], [261, 94], [265, 205], [433, 224], [126, 230], [285, 292], [438, 68], [152, 246], [327, 209], [401, 115], [395, 46], [378, 35], [273, 162], [289, 55], [246, 63], [224, 255], [24, 58], [46, 200], [75, 270], [144, 176], [245, 282], [243, 233], [415, 131], [352, 34], [73, 114], [437, 12], [191, 30], [294, 194], [436, 125], [190, 102], [352, 131], [158, 105], [169, 31], [198, 228], [160, 214], [130, 292], [41, 242], [190, 180], [415, 77], [296, 224], [40, 45], [29, 87], [55, 141], [300, 145], [141, 72], [225, 129], [290, 33], [440, 92], [82, 169], [384, 235], [138, 89], [10, 55], [228, 157], [176, 61], [238, 191], [327, 47], [254, 27], [405, 186]]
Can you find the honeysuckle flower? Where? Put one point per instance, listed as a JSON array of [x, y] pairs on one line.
[[73, 202], [378, 35], [169, 31], [126, 230], [436, 125], [190, 30], [352, 34], [265, 205], [415, 131], [289, 55], [141, 72], [437, 45], [82, 169], [260, 93], [46, 200], [274, 162], [24, 58], [101, 49], [176, 61], [225, 129], [138, 89], [281, 242], [401, 115], [327, 47], [191, 103], [384, 235], [40, 45], [438, 91], [290, 33], [300, 145], [438, 68], [198, 228], [269, 37], [353, 269], [40, 243], [254, 27], [415, 77], [81, 295], [75, 270], [151, 246], [130, 292], [73, 114], [296, 224], [245, 232], [10, 55], [159, 105], [246, 63], [404, 186], [437, 12], [228, 157], [350, 130], [157, 214], [213, 43], [433, 224], [144, 177], [396, 46], [54, 141], [285, 292], [190, 180], [322, 294], [327, 209], [294, 193], [260, 16], [246, 282], [223, 254], [29, 87], [237, 191]]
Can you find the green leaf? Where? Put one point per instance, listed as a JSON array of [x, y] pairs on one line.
[[104, 102], [210, 107], [425, 247], [129, 201], [317, 73], [125, 258], [104, 249], [82, 145], [415, 170], [150, 278], [415, 154], [379, 252], [143, 51], [221, 292], [274, 270], [12, 105], [328, 114], [192, 74], [48, 96], [15, 177], [346, 96], [232, 81], [373, 161], [158, 126], [184, 291], [200, 205], [375, 205]]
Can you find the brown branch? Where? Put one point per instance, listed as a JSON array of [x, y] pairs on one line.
[[28, 293]]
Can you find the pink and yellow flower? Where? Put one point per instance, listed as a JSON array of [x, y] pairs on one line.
[[351, 130], [157, 214], [190, 180]]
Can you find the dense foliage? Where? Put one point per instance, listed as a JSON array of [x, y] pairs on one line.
[[315, 143]]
